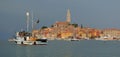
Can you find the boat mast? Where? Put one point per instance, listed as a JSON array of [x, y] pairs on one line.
[[32, 22], [27, 14]]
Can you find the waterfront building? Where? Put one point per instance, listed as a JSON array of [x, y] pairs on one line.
[[111, 33], [61, 24], [81, 33], [63, 29], [35, 33]]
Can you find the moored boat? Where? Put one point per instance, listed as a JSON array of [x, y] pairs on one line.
[[74, 39], [26, 39]]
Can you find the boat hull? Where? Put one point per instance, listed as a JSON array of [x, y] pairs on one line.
[[31, 42]]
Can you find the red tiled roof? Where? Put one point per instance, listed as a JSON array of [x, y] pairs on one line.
[[61, 23]]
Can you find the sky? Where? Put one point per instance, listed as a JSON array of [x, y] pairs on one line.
[[91, 13]]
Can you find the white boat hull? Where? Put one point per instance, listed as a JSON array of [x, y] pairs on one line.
[[19, 42], [31, 42], [28, 42]]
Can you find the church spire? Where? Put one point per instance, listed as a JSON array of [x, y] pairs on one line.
[[68, 16]]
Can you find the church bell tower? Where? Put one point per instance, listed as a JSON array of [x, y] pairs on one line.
[[68, 16]]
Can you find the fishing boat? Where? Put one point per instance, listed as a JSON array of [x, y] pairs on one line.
[[26, 38]]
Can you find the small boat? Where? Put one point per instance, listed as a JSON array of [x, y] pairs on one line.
[[74, 39]]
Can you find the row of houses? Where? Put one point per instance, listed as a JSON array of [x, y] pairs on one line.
[[65, 30]]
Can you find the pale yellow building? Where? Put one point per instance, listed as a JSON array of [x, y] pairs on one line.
[[111, 33]]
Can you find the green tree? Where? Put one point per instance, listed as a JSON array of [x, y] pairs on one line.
[[75, 25], [52, 26], [43, 27], [81, 26]]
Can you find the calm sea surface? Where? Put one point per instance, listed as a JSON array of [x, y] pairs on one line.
[[84, 48]]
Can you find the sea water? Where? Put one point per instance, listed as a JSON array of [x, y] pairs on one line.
[[61, 48]]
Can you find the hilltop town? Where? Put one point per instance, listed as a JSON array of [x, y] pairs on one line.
[[66, 30]]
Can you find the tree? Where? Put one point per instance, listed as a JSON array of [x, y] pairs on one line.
[[52, 26], [81, 26], [75, 25], [43, 27]]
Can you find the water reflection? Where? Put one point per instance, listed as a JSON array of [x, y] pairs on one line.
[[59, 49], [30, 51], [69, 49]]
